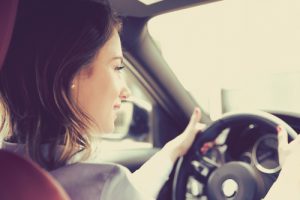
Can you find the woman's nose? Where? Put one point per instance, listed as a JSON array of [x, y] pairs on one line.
[[125, 92]]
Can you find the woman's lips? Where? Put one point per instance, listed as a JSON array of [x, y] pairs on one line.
[[117, 107]]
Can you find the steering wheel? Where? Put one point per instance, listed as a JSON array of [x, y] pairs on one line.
[[234, 180]]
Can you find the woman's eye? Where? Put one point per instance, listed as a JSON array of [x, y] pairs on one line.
[[120, 68]]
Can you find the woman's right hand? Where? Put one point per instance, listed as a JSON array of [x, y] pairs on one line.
[[287, 185], [289, 155]]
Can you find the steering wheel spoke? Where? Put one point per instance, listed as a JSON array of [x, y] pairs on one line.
[[202, 168]]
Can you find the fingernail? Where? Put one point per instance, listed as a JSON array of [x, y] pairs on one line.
[[205, 145], [279, 129], [203, 150], [208, 144]]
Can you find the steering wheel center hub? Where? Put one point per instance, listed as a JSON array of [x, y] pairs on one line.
[[229, 188], [233, 181]]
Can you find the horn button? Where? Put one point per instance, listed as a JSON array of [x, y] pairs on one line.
[[234, 180]]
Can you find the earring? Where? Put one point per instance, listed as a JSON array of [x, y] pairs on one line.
[[73, 86]]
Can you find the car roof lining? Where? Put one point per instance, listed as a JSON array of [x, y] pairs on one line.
[[135, 8]]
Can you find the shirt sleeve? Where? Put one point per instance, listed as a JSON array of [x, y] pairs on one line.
[[283, 188], [151, 176], [120, 187]]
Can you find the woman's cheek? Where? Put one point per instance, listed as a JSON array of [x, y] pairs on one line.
[[117, 84]]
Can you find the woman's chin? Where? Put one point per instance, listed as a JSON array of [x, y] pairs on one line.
[[110, 128]]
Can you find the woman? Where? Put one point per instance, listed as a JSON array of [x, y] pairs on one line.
[[61, 87]]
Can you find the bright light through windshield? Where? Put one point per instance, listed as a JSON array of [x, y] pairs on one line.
[[245, 52]]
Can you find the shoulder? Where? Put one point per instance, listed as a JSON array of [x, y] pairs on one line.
[[93, 181], [85, 180]]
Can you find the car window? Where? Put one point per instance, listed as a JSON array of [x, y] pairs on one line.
[[235, 54]]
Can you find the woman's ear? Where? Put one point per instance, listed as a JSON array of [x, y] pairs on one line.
[[75, 88]]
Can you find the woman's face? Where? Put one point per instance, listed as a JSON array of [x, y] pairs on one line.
[[99, 88]]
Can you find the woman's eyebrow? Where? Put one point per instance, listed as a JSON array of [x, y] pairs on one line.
[[118, 58]]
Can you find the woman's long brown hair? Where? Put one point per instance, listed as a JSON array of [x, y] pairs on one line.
[[50, 45]]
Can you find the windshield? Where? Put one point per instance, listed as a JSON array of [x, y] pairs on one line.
[[235, 54]]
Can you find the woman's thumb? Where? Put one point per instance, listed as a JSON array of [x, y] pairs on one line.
[[195, 118], [282, 137], [282, 144]]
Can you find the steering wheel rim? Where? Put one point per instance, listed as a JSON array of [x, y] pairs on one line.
[[210, 133]]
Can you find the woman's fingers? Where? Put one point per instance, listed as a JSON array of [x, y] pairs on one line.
[[195, 117], [181, 144], [194, 121], [282, 144], [282, 137]]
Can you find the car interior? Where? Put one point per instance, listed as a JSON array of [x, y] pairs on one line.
[[242, 163]]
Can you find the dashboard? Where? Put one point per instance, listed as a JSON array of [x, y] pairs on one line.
[[262, 154]]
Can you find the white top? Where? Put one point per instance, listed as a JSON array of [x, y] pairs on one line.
[[108, 180]]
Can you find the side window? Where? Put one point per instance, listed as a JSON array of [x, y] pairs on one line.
[[133, 126]]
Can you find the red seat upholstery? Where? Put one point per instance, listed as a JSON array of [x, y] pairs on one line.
[[21, 179]]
